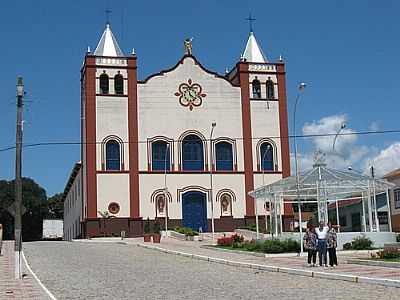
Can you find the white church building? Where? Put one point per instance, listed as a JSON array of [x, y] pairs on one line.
[[186, 144]]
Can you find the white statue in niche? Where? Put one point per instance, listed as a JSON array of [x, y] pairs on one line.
[[226, 201], [160, 204]]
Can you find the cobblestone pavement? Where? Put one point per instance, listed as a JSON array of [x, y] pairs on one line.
[[116, 271], [290, 262], [10, 288]]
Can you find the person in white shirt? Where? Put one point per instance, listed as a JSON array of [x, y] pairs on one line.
[[322, 233]]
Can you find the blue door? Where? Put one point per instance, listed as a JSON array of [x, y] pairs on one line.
[[194, 210]]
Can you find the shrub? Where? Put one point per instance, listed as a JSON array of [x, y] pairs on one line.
[[186, 231], [347, 246], [273, 246], [292, 246], [156, 227], [361, 243], [398, 238], [253, 245], [235, 241], [225, 241], [146, 228]]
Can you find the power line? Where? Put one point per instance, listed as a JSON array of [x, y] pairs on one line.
[[31, 145]]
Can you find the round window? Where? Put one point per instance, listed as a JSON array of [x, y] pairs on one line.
[[113, 208]]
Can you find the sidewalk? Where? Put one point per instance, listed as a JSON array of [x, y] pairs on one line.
[[298, 265], [10, 288]]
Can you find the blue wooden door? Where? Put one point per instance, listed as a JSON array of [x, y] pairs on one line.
[[194, 210]]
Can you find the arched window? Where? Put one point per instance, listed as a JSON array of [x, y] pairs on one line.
[[270, 89], [267, 157], [192, 153], [256, 88], [113, 156], [224, 156], [160, 156], [104, 84], [119, 84]]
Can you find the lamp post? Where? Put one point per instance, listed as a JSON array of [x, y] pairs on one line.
[[166, 189], [375, 208], [343, 126], [301, 88], [213, 125]]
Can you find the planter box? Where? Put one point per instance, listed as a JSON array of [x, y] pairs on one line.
[[156, 238], [147, 238]]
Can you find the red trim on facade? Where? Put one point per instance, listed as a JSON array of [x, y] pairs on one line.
[[247, 136], [284, 130], [89, 82], [133, 126], [283, 120]]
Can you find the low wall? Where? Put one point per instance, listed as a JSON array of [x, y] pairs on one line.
[[379, 238]]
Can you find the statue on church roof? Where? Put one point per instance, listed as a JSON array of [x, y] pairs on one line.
[[319, 159], [188, 46]]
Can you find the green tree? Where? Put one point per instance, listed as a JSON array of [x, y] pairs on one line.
[[34, 199], [55, 206]]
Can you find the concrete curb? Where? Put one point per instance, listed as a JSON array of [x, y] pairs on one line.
[[300, 272], [257, 254], [365, 262]]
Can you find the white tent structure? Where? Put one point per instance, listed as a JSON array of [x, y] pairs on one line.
[[323, 185]]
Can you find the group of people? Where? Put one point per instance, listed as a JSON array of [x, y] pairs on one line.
[[323, 240]]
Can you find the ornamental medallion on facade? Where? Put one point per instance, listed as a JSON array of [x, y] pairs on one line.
[[190, 94]]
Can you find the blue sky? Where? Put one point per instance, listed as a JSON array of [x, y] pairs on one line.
[[346, 51]]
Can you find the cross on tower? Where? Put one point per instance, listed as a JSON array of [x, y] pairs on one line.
[[251, 20], [108, 13]]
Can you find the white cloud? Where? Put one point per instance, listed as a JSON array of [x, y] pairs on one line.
[[386, 160], [331, 125], [347, 151]]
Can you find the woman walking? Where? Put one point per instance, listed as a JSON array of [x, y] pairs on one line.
[[332, 245], [310, 244]]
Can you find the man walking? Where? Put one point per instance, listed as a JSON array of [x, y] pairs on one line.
[[322, 232]]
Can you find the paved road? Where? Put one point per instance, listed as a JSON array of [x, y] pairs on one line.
[[115, 271]]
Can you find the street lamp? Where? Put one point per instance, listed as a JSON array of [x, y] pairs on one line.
[[213, 125], [343, 126], [166, 189], [301, 88]]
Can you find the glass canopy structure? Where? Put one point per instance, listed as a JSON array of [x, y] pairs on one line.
[[325, 187]]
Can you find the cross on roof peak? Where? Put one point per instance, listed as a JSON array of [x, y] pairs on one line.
[[108, 13], [251, 20]]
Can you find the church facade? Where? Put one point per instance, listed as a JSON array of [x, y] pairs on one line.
[[185, 144]]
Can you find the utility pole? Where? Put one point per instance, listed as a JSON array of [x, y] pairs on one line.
[[18, 181]]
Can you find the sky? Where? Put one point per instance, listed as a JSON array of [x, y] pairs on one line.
[[347, 52]]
